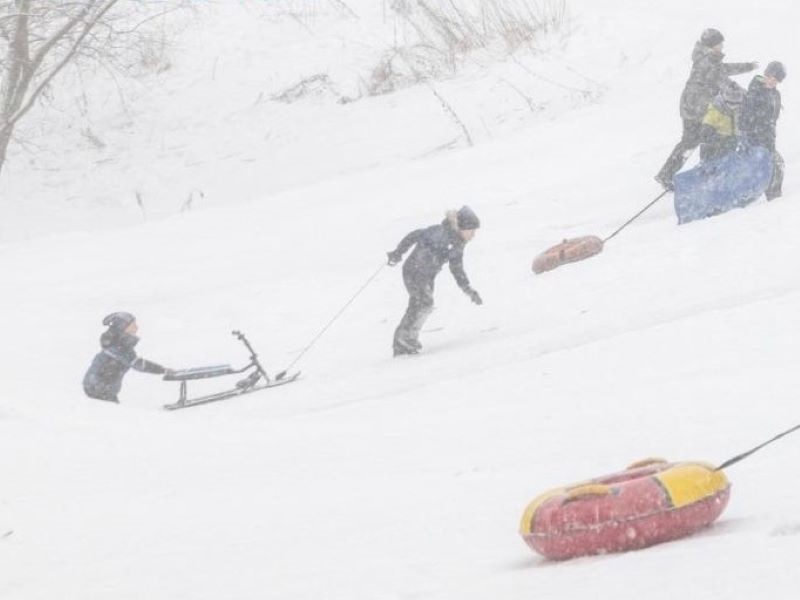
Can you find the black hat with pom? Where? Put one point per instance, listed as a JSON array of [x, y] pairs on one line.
[[118, 320], [467, 219]]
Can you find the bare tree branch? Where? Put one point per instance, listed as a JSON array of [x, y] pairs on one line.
[[40, 38], [20, 112]]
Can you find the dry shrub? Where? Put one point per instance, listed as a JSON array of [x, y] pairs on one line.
[[315, 86], [442, 32], [399, 68]]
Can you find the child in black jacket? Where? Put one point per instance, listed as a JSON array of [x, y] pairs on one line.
[[103, 380], [435, 246]]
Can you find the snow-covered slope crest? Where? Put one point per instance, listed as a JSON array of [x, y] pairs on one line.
[[381, 478], [296, 96]]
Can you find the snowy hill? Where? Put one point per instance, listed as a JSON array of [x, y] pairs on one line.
[[375, 477]]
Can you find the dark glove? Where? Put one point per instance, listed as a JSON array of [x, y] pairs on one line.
[[394, 258], [474, 296]]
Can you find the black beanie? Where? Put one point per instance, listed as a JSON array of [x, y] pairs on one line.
[[711, 37], [775, 69], [467, 219], [118, 320]]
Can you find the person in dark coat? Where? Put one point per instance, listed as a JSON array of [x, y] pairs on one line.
[[434, 246], [707, 76], [103, 380], [760, 112]]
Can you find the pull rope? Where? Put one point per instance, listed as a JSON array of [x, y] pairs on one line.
[[637, 215], [743, 455], [332, 321]]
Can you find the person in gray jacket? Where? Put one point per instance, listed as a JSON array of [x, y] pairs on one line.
[[708, 74], [103, 380], [434, 246]]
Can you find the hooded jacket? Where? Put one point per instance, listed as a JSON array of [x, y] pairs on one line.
[[435, 246], [103, 380], [708, 74], [760, 112]]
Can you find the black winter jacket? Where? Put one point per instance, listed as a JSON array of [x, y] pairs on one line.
[[708, 73], [103, 380], [435, 246], [760, 112]]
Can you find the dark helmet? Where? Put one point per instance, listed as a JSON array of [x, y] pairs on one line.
[[118, 320], [467, 219], [711, 37], [775, 69]]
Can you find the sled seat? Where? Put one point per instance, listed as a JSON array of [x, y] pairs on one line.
[[199, 373]]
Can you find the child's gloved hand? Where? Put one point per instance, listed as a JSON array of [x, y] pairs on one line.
[[474, 296]]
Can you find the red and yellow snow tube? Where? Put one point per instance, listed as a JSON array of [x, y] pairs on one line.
[[651, 502]]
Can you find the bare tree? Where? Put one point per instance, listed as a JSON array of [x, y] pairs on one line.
[[39, 38]]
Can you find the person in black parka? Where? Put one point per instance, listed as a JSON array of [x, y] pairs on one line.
[[435, 246], [103, 380], [760, 112], [705, 81]]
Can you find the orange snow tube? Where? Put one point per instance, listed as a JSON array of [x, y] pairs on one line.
[[568, 251], [651, 502]]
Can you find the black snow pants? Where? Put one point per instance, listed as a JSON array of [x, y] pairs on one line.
[[420, 306], [689, 141]]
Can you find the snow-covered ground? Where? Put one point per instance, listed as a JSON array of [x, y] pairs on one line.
[[376, 477]]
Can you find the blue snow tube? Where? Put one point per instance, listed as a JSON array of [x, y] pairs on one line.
[[730, 181]]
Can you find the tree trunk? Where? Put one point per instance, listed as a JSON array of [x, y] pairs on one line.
[[18, 60], [5, 138]]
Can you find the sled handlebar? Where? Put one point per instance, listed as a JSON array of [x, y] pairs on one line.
[[241, 337]]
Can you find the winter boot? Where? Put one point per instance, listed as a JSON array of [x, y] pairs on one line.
[[402, 347]]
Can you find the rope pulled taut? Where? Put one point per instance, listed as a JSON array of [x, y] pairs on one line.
[[333, 320], [743, 455], [637, 215]]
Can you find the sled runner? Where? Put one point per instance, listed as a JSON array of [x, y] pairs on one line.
[[255, 380]]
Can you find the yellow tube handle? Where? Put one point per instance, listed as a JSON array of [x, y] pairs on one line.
[[646, 462]]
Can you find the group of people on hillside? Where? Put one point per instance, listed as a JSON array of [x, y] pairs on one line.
[[718, 115], [433, 247]]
